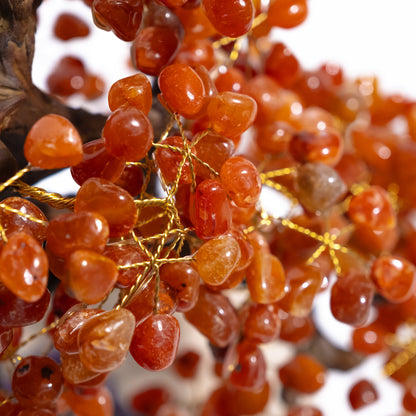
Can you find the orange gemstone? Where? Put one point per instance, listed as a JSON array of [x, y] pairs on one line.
[[99, 403], [362, 394], [287, 13], [74, 371], [261, 323], [24, 267], [53, 143], [69, 26]]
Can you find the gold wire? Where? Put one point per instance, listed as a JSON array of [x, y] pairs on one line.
[[23, 214], [15, 177]]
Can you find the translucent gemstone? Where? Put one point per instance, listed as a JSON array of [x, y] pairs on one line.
[[91, 276], [184, 279], [273, 137], [53, 143], [128, 134], [304, 411], [217, 258], [186, 364], [249, 402], [261, 323], [77, 231], [6, 337], [114, 203], [74, 371], [155, 342], [303, 373], [215, 317], [69, 26], [241, 180], [351, 298], [319, 186], [362, 394], [210, 209], [14, 345], [97, 162], [229, 79], [231, 113], [37, 381], [135, 91], [369, 339], [196, 52], [104, 340], [131, 179], [13, 222], [150, 400], [24, 267], [409, 397], [287, 13], [296, 330], [15, 312]]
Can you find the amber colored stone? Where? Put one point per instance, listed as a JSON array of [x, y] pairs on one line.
[[261, 323], [128, 134], [37, 381], [98, 404], [123, 17], [195, 22], [265, 274], [231, 113], [11, 349], [351, 298], [214, 150], [229, 79], [215, 317], [184, 279], [282, 65], [182, 89], [97, 162], [77, 231], [241, 180], [104, 340], [287, 13], [303, 373], [196, 52], [94, 87], [369, 339], [15, 312], [362, 394], [53, 143], [210, 210], [169, 161], [65, 336], [186, 364], [91, 276], [13, 222], [74, 371], [131, 179], [155, 342], [114, 203], [375, 241], [352, 169], [394, 277], [24, 267], [302, 284], [35, 411], [231, 17], [218, 403], [296, 330], [244, 402], [217, 258], [69, 26], [304, 411], [319, 186], [126, 255], [150, 400], [245, 366], [372, 208], [135, 91], [409, 397], [273, 137], [6, 337]]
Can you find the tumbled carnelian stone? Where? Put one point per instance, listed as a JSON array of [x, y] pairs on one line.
[[37, 381], [128, 134], [65, 337], [104, 340], [362, 394], [77, 231], [352, 169], [114, 203], [13, 222], [169, 161], [394, 277], [294, 329], [273, 137], [53, 143], [195, 22], [186, 364], [97, 162], [24, 267], [229, 79], [351, 298], [241, 180], [369, 339], [182, 89], [231, 113], [91, 276], [125, 255], [261, 323], [230, 17], [135, 91], [248, 402], [303, 373], [155, 342], [98, 404], [74, 371], [303, 282], [69, 26], [217, 258], [287, 13], [149, 400], [184, 279], [123, 17], [210, 210], [304, 411], [196, 52], [409, 397], [245, 366], [131, 179], [215, 317]]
